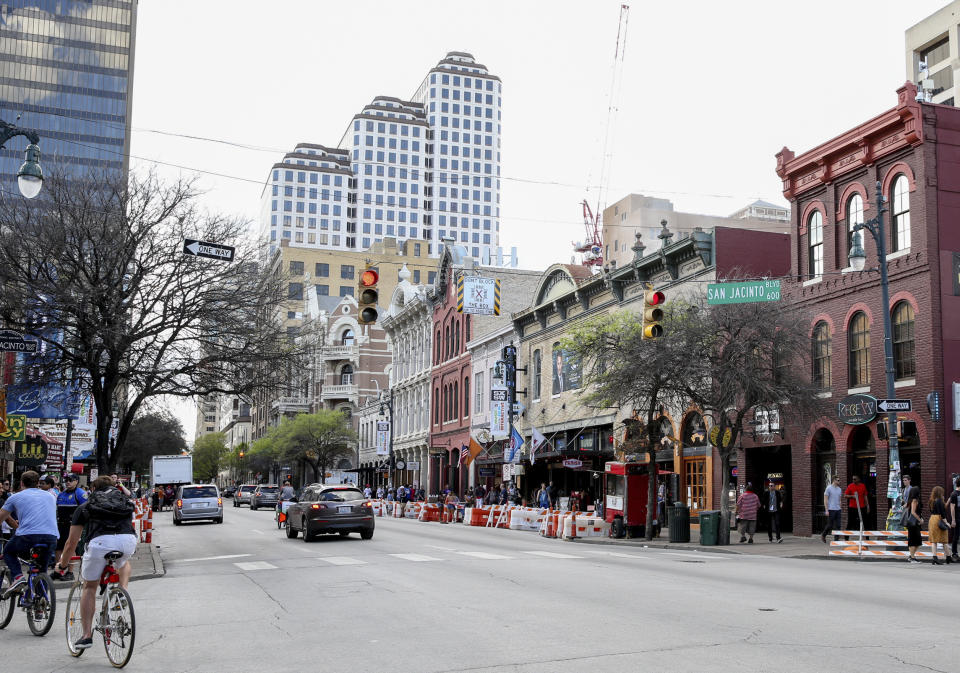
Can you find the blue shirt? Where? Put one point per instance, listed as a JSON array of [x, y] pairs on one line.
[[73, 498], [35, 512], [834, 496]]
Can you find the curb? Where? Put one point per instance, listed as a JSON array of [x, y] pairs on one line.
[[158, 568], [654, 544]]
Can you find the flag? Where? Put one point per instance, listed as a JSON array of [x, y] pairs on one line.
[[464, 454], [474, 450], [516, 441], [536, 442]]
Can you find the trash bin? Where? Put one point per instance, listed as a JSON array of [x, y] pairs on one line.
[[678, 519], [709, 527]]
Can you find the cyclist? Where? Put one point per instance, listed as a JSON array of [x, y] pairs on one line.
[[108, 516], [32, 514]]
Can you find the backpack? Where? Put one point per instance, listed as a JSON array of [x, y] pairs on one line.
[[109, 506]]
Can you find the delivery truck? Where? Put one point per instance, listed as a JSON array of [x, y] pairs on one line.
[[173, 470]]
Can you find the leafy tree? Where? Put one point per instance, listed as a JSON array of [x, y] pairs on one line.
[[261, 456], [320, 439], [153, 433], [208, 452], [94, 270]]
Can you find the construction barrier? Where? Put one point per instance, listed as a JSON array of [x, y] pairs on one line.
[[550, 524], [527, 518], [429, 512], [876, 543], [412, 510], [579, 524]]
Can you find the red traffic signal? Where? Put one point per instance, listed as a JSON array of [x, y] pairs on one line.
[[655, 298], [368, 296], [369, 278]]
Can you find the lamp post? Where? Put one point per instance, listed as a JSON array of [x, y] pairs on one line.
[[858, 258], [30, 175], [388, 403]]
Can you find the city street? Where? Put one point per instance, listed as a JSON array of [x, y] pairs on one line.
[[429, 597]]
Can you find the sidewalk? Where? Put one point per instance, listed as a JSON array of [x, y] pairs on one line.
[[791, 547], [145, 564]]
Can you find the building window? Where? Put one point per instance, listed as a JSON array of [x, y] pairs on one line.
[[537, 368], [295, 291], [854, 217], [903, 343], [346, 291], [900, 197], [321, 270], [346, 271], [346, 375], [296, 268], [936, 52], [323, 290], [347, 338], [815, 243], [858, 337], [821, 355], [466, 397], [436, 406], [478, 381]]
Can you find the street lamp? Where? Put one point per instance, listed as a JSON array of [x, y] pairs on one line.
[[30, 175], [388, 403], [858, 258]]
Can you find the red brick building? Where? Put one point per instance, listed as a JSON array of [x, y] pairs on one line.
[[913, 152]]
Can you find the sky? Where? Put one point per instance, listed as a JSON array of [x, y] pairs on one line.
[[710, 93]]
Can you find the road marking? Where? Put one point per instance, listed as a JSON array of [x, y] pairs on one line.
[[258, 532], [433, 546], [416, 557], [483, 555], [255, 565], [703, 557], [211, 558], [551, 554], [342, 560]]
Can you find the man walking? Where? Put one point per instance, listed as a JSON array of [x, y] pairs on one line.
[[32, 514], [857, 504], [773, 507], [832, 497], [953, 510], [747, 505]]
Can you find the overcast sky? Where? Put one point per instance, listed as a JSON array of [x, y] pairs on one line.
[[711, 91]]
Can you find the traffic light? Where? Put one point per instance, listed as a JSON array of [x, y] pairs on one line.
[[653, 301], [367, 297]]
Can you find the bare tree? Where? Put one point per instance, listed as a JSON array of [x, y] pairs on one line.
[[320, 439], [94, 269]]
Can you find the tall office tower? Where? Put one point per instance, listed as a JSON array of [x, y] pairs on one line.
[[934, 42], [66, 67], [427, 168]]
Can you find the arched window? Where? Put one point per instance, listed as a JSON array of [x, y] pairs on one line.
[[900, 213], [446, 403], [467, 319], [346, 338], [821, 355], [346, 375], [436, 406], [903, 343], [854, 217], [456, 342], [537, 369], [436, 349], [466, 396], [815, 243], [455, 407], [446, 342], [858, 342]]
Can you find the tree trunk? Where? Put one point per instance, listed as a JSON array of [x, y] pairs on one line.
[[651, 475]]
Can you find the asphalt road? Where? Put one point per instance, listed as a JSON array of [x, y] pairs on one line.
[[427, 598]]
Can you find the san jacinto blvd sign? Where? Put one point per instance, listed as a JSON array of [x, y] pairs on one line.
[[13, 342]]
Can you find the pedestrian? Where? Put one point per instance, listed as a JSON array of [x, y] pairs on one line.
[[168, 496], [773, 506], [67, 502], [938, 526], [492, 495], [450, 515], [156, 499], [115, 478], [747, 505], [421, 494], [553, 495], [380, 492], [478, 494], [504, 494], [49, 484], [911, 518], [543, 496], [953, 508], [832, 497], [857, 504], [367, 492]]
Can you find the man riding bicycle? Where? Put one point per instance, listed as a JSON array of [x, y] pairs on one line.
[[32, 513], [108, 518]]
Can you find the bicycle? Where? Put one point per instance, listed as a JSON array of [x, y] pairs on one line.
[[38, 597], [115, 620]]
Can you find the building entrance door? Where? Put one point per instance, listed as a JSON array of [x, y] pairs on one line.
[[772, 463], [864, 465]]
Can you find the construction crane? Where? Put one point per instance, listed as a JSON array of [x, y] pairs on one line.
[[590, 248]]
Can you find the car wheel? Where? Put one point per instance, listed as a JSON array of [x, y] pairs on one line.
[[252, 506], [366, 534], [305, 530], [219, 519], [291, 531], [176, 521]]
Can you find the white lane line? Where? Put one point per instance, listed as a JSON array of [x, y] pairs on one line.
[[258, 532], [483, 555], [342, 560], [705, 556], [255, 565], [551, 554], [211, 558], [617, 554], [416, 557], [433, 546]]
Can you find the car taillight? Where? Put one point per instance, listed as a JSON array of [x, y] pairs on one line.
[[317, 505], [219, 501], [179, 504], [367, 504]]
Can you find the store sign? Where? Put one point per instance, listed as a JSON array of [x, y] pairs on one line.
[[486, 471], [573, 463], [16, 428], [383, 438], [857, 409], [499, 412], [413, 465]]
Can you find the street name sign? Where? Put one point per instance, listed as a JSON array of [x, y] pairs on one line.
[[894, 405], [209, 250], [13, 342], [743, 293]]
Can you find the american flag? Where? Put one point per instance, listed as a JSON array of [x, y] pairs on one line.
[[464, 452]]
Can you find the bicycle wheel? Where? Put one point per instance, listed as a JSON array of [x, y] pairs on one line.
[[74, 626], [43, 605], [6, 604], [119, 626]]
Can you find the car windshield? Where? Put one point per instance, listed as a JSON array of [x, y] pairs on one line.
[[341, 495], [200, 492], [247, 489], [269, 489]]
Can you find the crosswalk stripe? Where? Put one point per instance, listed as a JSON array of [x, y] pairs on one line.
[[484, 555], [551, 554], [214, 558], [416, 557], [342, 561], [255, 565]]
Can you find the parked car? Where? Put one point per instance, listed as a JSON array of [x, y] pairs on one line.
[[242, 494], [265, 495], [197, 501], [330, 509], [228, 491]]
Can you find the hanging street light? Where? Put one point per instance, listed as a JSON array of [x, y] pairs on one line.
[[30, 175]]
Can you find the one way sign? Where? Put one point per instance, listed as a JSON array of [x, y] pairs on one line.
[[894, 405], [210, 250]]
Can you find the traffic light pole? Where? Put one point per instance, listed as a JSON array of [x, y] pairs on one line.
[[509, 355]]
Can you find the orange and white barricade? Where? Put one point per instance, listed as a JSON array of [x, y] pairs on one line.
[[476, 516], [877, 543], [378, 508], [579, 524], [430, 512], [412, 510], [526, 518], [550, 524]]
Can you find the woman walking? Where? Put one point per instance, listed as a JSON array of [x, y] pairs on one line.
[[911, 518], [938, 536]]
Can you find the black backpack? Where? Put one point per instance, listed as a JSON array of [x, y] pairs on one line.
[[110, 506]]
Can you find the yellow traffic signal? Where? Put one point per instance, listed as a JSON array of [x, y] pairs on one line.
[[653, 301], [368, 296]]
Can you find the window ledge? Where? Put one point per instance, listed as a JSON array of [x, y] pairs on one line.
[[825, 395], [812, 281], [904, 383], [858, 391], [898, 253]]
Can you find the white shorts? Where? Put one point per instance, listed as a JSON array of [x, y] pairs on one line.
[[93, 562]]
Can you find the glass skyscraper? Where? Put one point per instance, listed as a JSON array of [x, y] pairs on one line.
[[66, 68]]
